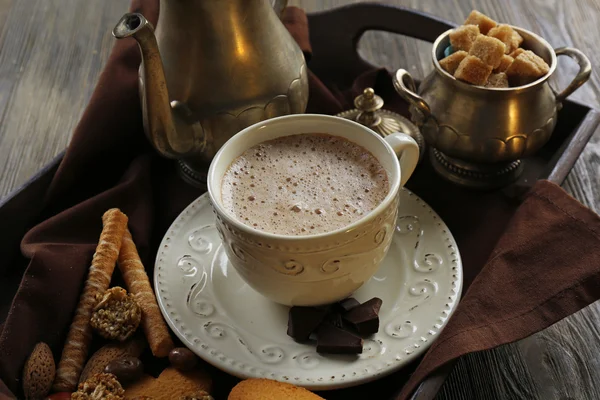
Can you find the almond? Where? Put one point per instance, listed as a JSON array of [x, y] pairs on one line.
[[38, 373], [100, 359]]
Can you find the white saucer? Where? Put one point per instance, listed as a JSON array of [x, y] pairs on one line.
[[231, 326]]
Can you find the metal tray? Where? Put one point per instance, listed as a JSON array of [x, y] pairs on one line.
[[576, 124]]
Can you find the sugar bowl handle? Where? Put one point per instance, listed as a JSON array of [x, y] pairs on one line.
[[409, 93], [407, 150], [585, 69]]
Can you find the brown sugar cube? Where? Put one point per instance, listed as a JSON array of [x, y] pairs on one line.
[[516, 53], [517, 40], [507, 35], [526, 68], [484, 22], [499, 80], [462, 38], [488, 49], [473, 70], [451, 62], [505, 62]]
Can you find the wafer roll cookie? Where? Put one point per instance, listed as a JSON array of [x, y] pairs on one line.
[[136, 280], [77, 345]]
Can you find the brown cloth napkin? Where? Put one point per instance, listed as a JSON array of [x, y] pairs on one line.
[[545, 266]]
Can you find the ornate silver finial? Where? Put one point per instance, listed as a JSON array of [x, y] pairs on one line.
[[369, 112]]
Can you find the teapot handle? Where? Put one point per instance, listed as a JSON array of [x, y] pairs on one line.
[[409, 93], [279, 6], [585, 69]]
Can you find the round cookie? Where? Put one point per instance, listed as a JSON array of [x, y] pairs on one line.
[[140, 388], [266, 389], [170, 384]]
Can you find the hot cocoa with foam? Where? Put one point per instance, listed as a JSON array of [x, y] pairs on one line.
[[303, 184]]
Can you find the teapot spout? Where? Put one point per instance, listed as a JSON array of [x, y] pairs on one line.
[[169, 132]]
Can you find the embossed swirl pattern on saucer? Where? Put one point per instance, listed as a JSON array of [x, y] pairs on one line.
[[217, 315]]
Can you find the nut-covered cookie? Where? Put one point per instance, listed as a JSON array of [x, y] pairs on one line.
[[116, 315], [99, 387]]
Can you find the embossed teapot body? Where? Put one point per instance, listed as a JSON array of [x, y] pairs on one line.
[[486, 125], [213, 68]]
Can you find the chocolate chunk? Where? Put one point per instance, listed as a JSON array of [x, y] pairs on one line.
[[365, 318], [376, 302], [333, 340], [335, 319], [302, 321], [348, 304]]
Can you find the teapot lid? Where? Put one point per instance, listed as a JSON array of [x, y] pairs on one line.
[[370, 113]]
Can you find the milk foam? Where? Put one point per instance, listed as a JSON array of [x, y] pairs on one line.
[[303, 184]]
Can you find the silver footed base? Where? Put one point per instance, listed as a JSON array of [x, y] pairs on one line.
[[192, 176], [474, 175]]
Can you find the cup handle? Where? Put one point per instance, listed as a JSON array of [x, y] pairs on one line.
[[407, 151], [409, 94], [585, 69], [279, 6]]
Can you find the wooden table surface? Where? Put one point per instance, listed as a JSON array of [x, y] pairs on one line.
[[52, 51]]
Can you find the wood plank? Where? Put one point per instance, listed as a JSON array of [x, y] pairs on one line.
[[52, 51], [5, 6]]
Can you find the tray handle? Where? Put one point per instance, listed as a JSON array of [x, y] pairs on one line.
[[334, 36], [585, 69], [359, 18]]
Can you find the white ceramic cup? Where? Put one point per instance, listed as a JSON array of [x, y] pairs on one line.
[[321, 268]]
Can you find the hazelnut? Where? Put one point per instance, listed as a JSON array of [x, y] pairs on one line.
[[126, 369], [182, 359]]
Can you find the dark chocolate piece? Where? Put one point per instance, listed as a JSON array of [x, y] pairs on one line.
[[302, 321], [376, 302], [365, 318], [348, 304], [333, 340], [335, 319]]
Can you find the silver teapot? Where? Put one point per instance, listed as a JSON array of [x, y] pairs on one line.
[[479, 134], [211, 69]]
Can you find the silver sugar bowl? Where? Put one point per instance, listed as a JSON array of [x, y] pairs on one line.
[[478, 135]]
